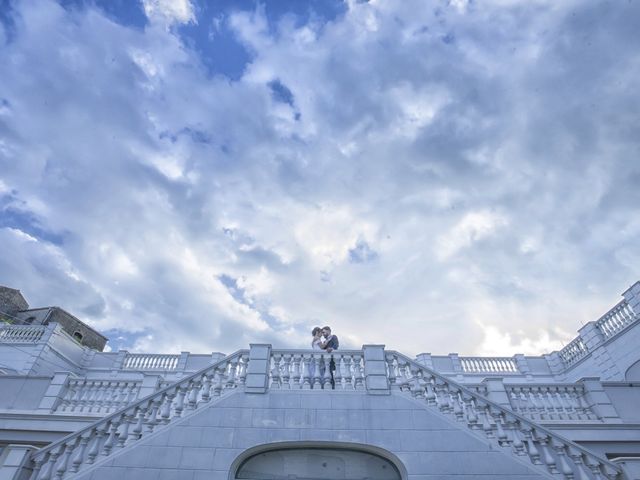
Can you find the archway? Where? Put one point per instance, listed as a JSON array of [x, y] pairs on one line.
[[316, 461]]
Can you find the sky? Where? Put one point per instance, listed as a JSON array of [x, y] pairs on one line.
[[436, 176]]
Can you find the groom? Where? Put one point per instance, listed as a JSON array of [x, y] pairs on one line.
[[331, 343]]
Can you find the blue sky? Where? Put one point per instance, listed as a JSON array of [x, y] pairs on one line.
[[437, 176]]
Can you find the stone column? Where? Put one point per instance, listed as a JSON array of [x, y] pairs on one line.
[[599, 401], [15, 461], [591, 336], [496, 391], [632, 296], [425, 359], [375, 370], [258, 369], [54, 392], [149, 385]]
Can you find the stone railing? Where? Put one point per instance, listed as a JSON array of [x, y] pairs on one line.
[[544, 449], [616, 319], [573, 352], [488, 365], [565, 402], [95, 443], [91, 396], [22, 333], [307, 370], [150, 361]]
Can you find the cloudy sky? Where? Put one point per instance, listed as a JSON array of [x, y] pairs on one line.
[[437, 176]]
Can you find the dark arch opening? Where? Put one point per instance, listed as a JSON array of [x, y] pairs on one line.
[[315, 461]]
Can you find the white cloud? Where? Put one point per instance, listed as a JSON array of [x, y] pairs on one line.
[[180, 11], [432, 175]]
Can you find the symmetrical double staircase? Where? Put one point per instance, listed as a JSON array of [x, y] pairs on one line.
[[547, 452]]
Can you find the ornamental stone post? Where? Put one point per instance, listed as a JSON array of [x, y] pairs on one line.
[[15, 461], [375, 370], [258, 369]]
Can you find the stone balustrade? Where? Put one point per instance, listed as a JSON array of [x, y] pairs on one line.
[[150, 361], [573, 352], [96, 396], [66, 457], [311, 370], [488, 365], [22, 333], [543, 448], [563, 402], [616, 319]]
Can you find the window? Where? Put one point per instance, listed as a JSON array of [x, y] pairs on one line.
[[77, 335]]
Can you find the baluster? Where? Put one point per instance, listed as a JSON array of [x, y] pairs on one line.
[[430, 393], [217, 388], [180, 398], [286, 373], [243, 373], [136, 433], [317, 378], [417, 382], [391, 374], [458, 409], [79, 450], [152, 418], [487, 425], [565, 468], [67, 449], [358, 371], [165, 410], [46, 472], [566, 402], [556, 403], [584, 411], [107, 401], [296, 371], [515, 399], [233, 371], [275, 372], [405, 378], [546, 401], [578, 462], [326, 374], [534, 454], [441, 395], [193, 388], [348, 379], [337, 375], [503, 438], [594, 466], [123, 435], [306, 372], [513, 424], [111, 438], [206, 387], [469, 410], [549, 461], [100, 432], [538, 405]]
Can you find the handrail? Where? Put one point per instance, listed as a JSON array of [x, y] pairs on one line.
[[130, 423], [440, 391]]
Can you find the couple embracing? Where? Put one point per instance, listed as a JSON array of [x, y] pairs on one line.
[[323, 339]]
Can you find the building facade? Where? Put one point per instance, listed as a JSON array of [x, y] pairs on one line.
[[68, 410]]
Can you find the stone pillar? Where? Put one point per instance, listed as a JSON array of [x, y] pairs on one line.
[[54, 392], [591, 336], [15, 461], [118, 363], [375, 370], [182, 363], [425, 359], [258, 369], [556, 365], [599, 401], [632, 296], [149, 385], [216, 357], [496, 391]]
